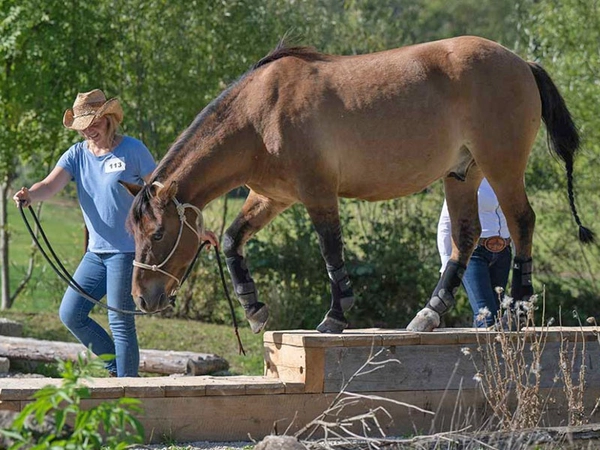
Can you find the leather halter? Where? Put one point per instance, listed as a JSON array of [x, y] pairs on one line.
[[181, 207]]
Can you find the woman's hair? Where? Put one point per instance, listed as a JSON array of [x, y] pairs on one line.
[[113, 126]]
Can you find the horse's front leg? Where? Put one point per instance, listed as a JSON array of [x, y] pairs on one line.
[[464, 218], [256, 212], [326, 221]]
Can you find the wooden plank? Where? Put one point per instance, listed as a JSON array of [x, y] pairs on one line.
[[434, 367], [185, 386], [272, 388], [293, 337], [287, 363], [18, 389], [363, 337], [405, 338], [10, 406], [294, 388], [231, 418], [106, 388], [12, 389], [226, 418], [240, 417], [440, 337], [315, 370], [142, 388], [296, 364]]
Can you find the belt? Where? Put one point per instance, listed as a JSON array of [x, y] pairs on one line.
[[494, 244]]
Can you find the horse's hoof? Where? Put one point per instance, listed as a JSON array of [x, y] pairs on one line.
[[257, 317], [425, 320], [332, 325]]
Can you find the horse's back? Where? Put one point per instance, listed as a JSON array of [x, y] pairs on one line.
[[390, 123], [443, 65]]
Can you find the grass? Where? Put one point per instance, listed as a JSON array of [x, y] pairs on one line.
[[37, 307], [161, 334], [63, 225]]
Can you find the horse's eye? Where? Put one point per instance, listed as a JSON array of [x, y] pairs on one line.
[[157, 236]]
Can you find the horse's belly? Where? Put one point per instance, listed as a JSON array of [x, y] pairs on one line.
[[396, 167], [385, 187]]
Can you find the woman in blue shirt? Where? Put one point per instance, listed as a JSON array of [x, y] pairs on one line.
[[96, 164]]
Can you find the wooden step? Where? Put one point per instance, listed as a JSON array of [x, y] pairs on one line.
[[427, 385]]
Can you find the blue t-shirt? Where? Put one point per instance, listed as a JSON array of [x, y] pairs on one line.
[[104, 202]]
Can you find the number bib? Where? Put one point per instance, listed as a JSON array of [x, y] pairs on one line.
[[114, 164]]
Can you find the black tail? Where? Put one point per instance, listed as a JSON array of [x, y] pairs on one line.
[[563, 137]]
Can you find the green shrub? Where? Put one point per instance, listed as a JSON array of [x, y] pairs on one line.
[[55, 419]]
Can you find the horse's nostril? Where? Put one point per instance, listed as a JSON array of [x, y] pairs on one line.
[[142, 303]]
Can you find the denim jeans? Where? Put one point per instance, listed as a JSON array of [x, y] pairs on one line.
[[486, 271], [101, 274]]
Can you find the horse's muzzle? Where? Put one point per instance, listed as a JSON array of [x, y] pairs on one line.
[[161, 303]]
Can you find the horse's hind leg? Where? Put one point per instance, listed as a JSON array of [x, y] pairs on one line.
[[520, 219], [256, 212], [326, 220], [466, 229]]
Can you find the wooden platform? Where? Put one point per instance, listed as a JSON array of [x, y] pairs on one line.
[[305, 371]]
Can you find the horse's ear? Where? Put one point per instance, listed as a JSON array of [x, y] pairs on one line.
[[132, 188], [167, 193]]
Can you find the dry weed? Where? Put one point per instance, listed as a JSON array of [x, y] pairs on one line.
[[573, 389], [509, 366], [342, 429]]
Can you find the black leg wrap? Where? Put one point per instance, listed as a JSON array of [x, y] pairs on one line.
[[521, 286], [256, 312], [341, 289], [442, 299], [243, 283]]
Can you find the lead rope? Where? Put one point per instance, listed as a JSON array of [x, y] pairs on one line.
[[241, 350], [64, 274]]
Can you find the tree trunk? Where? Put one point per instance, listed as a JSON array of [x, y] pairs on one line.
[[6, 302]]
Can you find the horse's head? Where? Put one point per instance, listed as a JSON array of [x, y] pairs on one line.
[[167, 235]]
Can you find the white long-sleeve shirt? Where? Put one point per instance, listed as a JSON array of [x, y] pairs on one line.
[[493, 222]]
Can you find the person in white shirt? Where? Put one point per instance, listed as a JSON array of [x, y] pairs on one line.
[[490, 262]]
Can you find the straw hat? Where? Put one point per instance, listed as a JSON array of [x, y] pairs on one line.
[[89, 106]]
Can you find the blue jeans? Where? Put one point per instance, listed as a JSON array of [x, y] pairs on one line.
[[486, 271], [101, 274]]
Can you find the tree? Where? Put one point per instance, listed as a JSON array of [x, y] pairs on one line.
[[563, 36], [47, 51]]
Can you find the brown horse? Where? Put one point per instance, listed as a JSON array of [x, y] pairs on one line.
[[307, 127]]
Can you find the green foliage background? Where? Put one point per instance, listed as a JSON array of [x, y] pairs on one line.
[[167, 60]]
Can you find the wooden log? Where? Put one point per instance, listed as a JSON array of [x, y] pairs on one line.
[[152, 361], [10, 328]]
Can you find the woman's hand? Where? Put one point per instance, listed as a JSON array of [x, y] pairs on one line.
[[43, 190], [22, 197], [211, 238]]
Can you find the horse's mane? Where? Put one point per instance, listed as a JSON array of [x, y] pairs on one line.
[[280, 51]]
